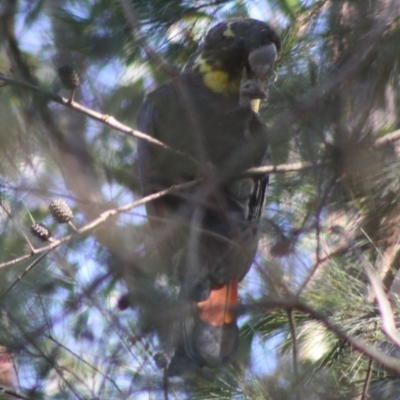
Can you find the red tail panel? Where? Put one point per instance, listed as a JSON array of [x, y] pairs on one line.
[[219, 308]]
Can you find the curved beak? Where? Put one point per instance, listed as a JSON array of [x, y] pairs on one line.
[[258, 93], [262, 60]]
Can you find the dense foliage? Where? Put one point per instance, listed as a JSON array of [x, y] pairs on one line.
[[320, 306]]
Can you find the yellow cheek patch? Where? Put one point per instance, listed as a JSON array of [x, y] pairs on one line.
[[202, 65], [218, 81], [215, 79]]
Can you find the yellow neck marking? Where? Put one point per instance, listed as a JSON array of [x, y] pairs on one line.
[[218, 81]]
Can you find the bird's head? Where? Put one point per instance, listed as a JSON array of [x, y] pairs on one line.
[[233, 47]]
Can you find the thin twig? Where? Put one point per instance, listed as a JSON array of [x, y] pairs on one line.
[[115, 124], [104, 217], [364, 395], [110, 213], [270, 169], [294, 303], [27, 269], [16, 260], [334, 81], [13, 393], [318, 260], [97, 116], [391, 273], [85, 362], [165, 383], [388, 138], [388, 321], [50, 360], [12, 220], [130, 16], [295, 353], [71, 224]]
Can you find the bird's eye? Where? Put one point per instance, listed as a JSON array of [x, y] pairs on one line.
[[240, 41], [265, 38]]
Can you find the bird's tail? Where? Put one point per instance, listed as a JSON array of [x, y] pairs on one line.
[[210, 336], [219, 308]]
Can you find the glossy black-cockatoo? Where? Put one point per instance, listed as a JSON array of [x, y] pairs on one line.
[[206, 235]]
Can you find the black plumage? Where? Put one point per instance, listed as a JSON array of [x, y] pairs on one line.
[[207, 235]]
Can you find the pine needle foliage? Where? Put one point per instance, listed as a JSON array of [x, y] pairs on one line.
[[333, 105]]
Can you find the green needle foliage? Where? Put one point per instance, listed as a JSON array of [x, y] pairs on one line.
[[333, 105]]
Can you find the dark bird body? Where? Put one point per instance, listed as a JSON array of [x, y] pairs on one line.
[[207, 235], [206, 125]]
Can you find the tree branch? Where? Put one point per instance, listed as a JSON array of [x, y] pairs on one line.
[[27, 269], [78, 357], [388, 322], [97, 116], [294, 303], [115, 124], [389, 325], [104, 216], [14, 393], [388, 138], [367, 381], [391, 273]]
